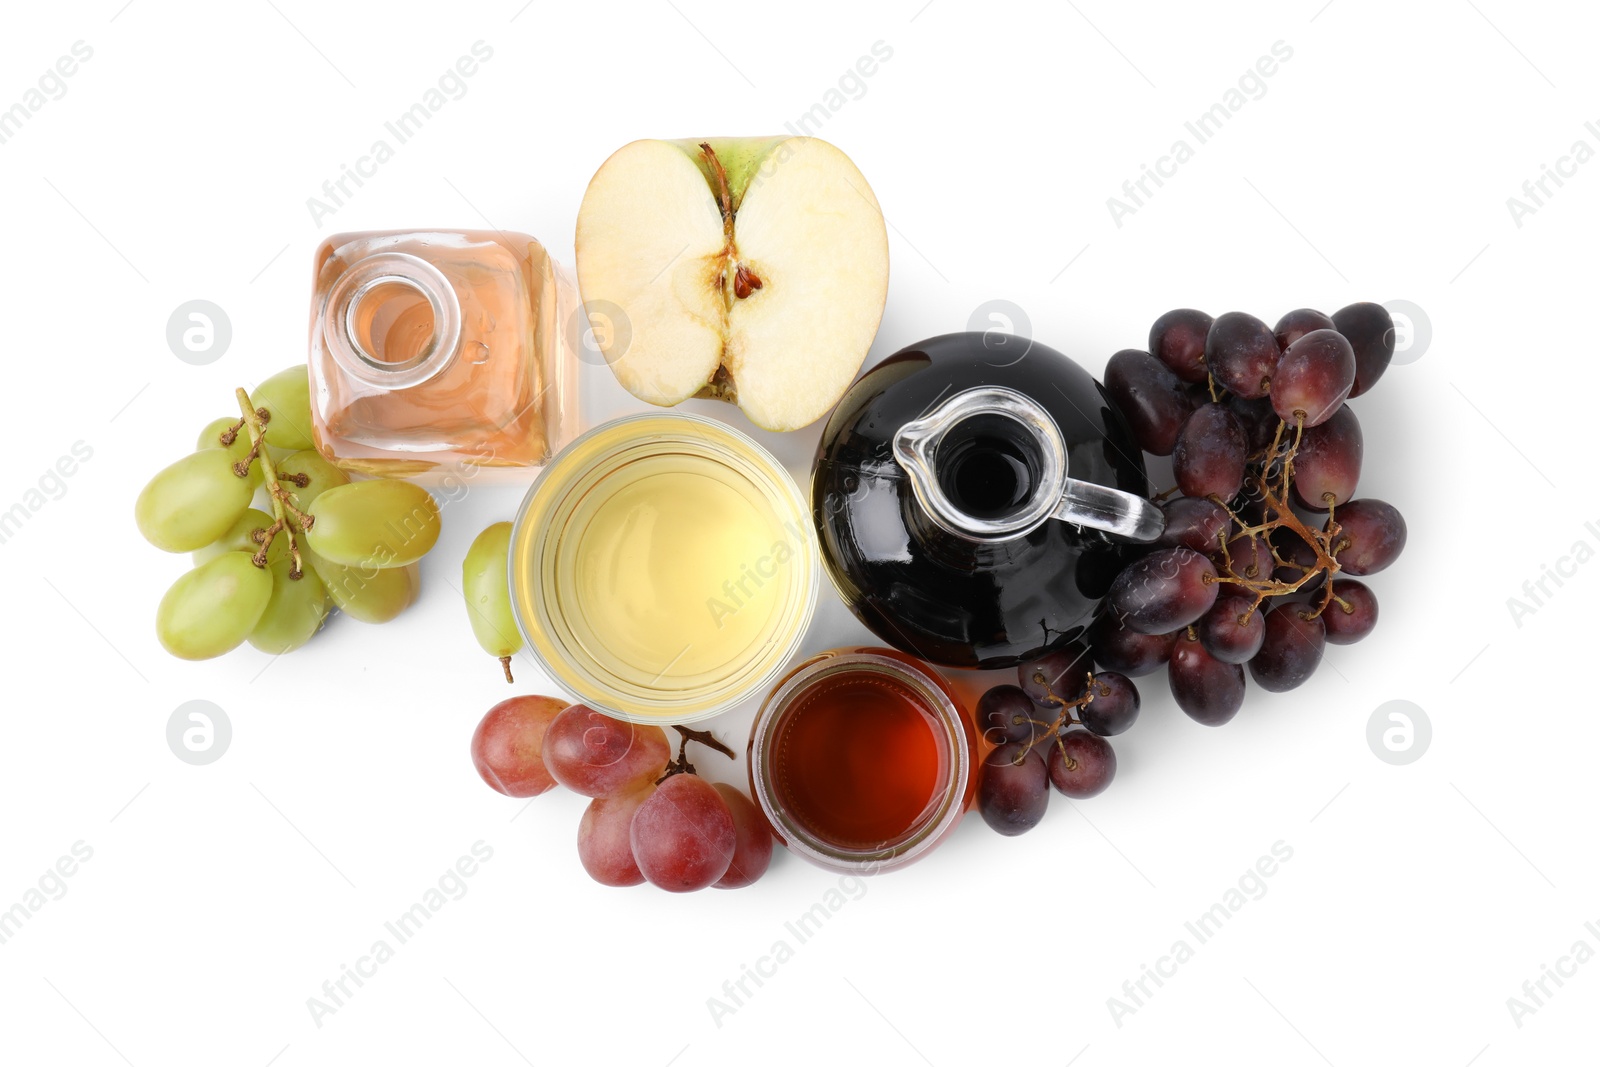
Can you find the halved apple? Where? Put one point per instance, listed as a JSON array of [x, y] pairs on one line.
[[751, 270]]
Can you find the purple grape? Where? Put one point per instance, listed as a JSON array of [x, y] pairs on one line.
[[1370, 330], [1194, 522], [1208, 458], [1313, 378], [1223, 633], [1291, 650], [1178, 339], [1164, 591], [1327, 465], [1297, 323], [1014, 789], [1062, 673], [1117, 648], [1005, 713], [1293, 548], [1371, 537], [1242, 354], [1260, 422], [1082, 764], [1115, 706], [1150, 397], [1208, 690], [1250, 557], [1347, 626]]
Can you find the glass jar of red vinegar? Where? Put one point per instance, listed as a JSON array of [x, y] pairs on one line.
[[862, 760]]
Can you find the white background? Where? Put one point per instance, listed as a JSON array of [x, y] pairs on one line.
[[1376, 166]]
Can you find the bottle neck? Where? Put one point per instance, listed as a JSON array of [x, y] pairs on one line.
[[392, 321]]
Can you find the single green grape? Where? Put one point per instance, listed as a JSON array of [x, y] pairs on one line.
[[193, 502], [294, 613], [211, 437], [287, 396], [380, 523], [321, 476], [213, 608], [369, 594], [487, 590], [239, 539]]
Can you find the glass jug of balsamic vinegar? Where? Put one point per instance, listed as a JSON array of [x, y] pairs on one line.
[[974, 506]]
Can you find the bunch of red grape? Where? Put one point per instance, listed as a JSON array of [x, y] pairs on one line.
[[651, 819], [1260, 558]]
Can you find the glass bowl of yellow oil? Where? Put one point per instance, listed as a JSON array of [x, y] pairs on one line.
[[663, 568]]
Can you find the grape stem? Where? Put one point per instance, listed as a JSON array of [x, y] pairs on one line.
[[1064, 720], [681, 764], [1274, 481], [254, 421]]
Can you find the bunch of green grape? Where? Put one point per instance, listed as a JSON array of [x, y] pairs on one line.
[[279, 536]]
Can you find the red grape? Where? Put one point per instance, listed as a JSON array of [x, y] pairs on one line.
[[1328, 463], [1250, 557], [1242, 354], [1115, 706], [1208, 457], [683, 836], [1208, 690], [1117, 648], [1163, 591], [1371, 536], [599, 756], [1178, 339], [1370, 330], [1014, 789], [1297, 323], [1062, 673], [1260, 422], [605, 846], [1194, 522], [1313, 378], [752, 846], [1081, 764], [1006, 713], [1150, 397], [1291, 650], [1233, 629], [506, 745], [1346, 626]]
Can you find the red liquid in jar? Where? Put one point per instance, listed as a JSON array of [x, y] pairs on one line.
[[859, 760]]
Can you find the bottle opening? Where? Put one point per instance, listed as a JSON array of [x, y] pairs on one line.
[[989, 466], [391, 321]]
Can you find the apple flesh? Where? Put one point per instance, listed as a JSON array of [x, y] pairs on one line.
[[750, 270]]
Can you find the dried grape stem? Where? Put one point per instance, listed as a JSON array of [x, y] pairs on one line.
[[681, 764], [505, 665], [255, 421]]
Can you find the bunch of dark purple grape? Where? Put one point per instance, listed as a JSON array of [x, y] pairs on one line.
[[1259, 562]]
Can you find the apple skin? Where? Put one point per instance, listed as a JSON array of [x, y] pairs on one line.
[[506, 744]]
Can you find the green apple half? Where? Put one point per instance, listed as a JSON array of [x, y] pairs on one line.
[[751, 270]]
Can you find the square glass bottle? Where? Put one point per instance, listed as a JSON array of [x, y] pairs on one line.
[[437, 349]]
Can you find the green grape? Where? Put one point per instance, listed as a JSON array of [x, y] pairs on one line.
[[294, 613], [322, 474], [488, 594], [238, 539], [287, 396], [213, 608], [380, 523], [369, 594], [193, 502], [211, 437]]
